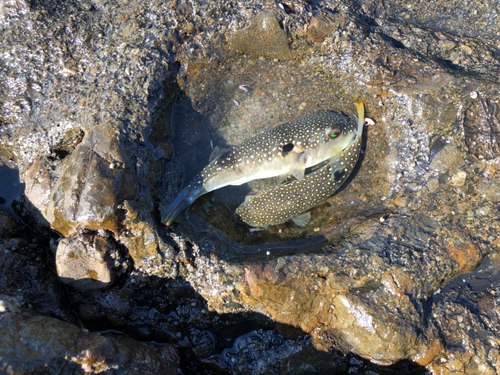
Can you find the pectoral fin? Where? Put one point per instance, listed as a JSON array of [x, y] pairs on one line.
[[216, 152], [302, 219], [294, 165]]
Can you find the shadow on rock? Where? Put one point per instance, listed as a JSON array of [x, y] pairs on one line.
[[164, 310]]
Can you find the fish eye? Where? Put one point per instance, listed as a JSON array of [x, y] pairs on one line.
[[249, 197], [335, 133]]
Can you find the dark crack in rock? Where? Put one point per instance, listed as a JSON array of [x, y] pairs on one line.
[[482, 128], [69, 141]]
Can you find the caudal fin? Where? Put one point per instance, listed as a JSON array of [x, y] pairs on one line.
[[178, 205], [361, 115]]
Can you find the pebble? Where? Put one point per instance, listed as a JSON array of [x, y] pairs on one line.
[[459, 178], [401, 201], [432, 185]]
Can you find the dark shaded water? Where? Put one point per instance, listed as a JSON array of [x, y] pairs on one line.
[[10, 186]]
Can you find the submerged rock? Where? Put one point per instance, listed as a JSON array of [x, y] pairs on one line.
[[319, 27], [263, 37], [465, 313], [482, 129]]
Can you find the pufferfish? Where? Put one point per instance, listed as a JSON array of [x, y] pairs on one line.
[[288, 149], [276, 204]]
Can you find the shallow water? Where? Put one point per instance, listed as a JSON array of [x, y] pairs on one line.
[[222, 114], [193, 138]]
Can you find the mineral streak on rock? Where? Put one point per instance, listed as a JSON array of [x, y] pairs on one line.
[[263, 37], [482, 128]]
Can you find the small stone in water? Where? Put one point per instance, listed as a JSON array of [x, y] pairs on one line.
[[459, 178]]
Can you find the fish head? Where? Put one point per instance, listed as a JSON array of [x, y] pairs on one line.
[[340, 135], [335, 137]]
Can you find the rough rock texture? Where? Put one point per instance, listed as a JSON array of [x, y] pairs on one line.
[[107, 109], [95, 179], [482, 128], [35, 344], [467, 307], [89, 261], [25, 273]]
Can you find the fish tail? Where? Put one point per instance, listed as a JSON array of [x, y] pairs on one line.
[[361, 115], [183, 200]]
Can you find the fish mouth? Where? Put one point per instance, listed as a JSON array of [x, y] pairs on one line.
[[355, 135]]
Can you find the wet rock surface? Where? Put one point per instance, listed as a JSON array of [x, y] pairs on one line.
[[95, 179], [107, 109], [482, 129], [263, 37]]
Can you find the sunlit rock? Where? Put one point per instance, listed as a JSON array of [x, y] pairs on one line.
[[88, 190], [89, 261]]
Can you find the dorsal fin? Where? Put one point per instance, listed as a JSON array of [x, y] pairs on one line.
[[216, 152], [250, 196]]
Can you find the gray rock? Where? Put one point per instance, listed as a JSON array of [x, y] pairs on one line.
[[449, 158]]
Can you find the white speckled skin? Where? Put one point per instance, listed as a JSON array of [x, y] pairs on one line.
[[277, 204], [297, 144]]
